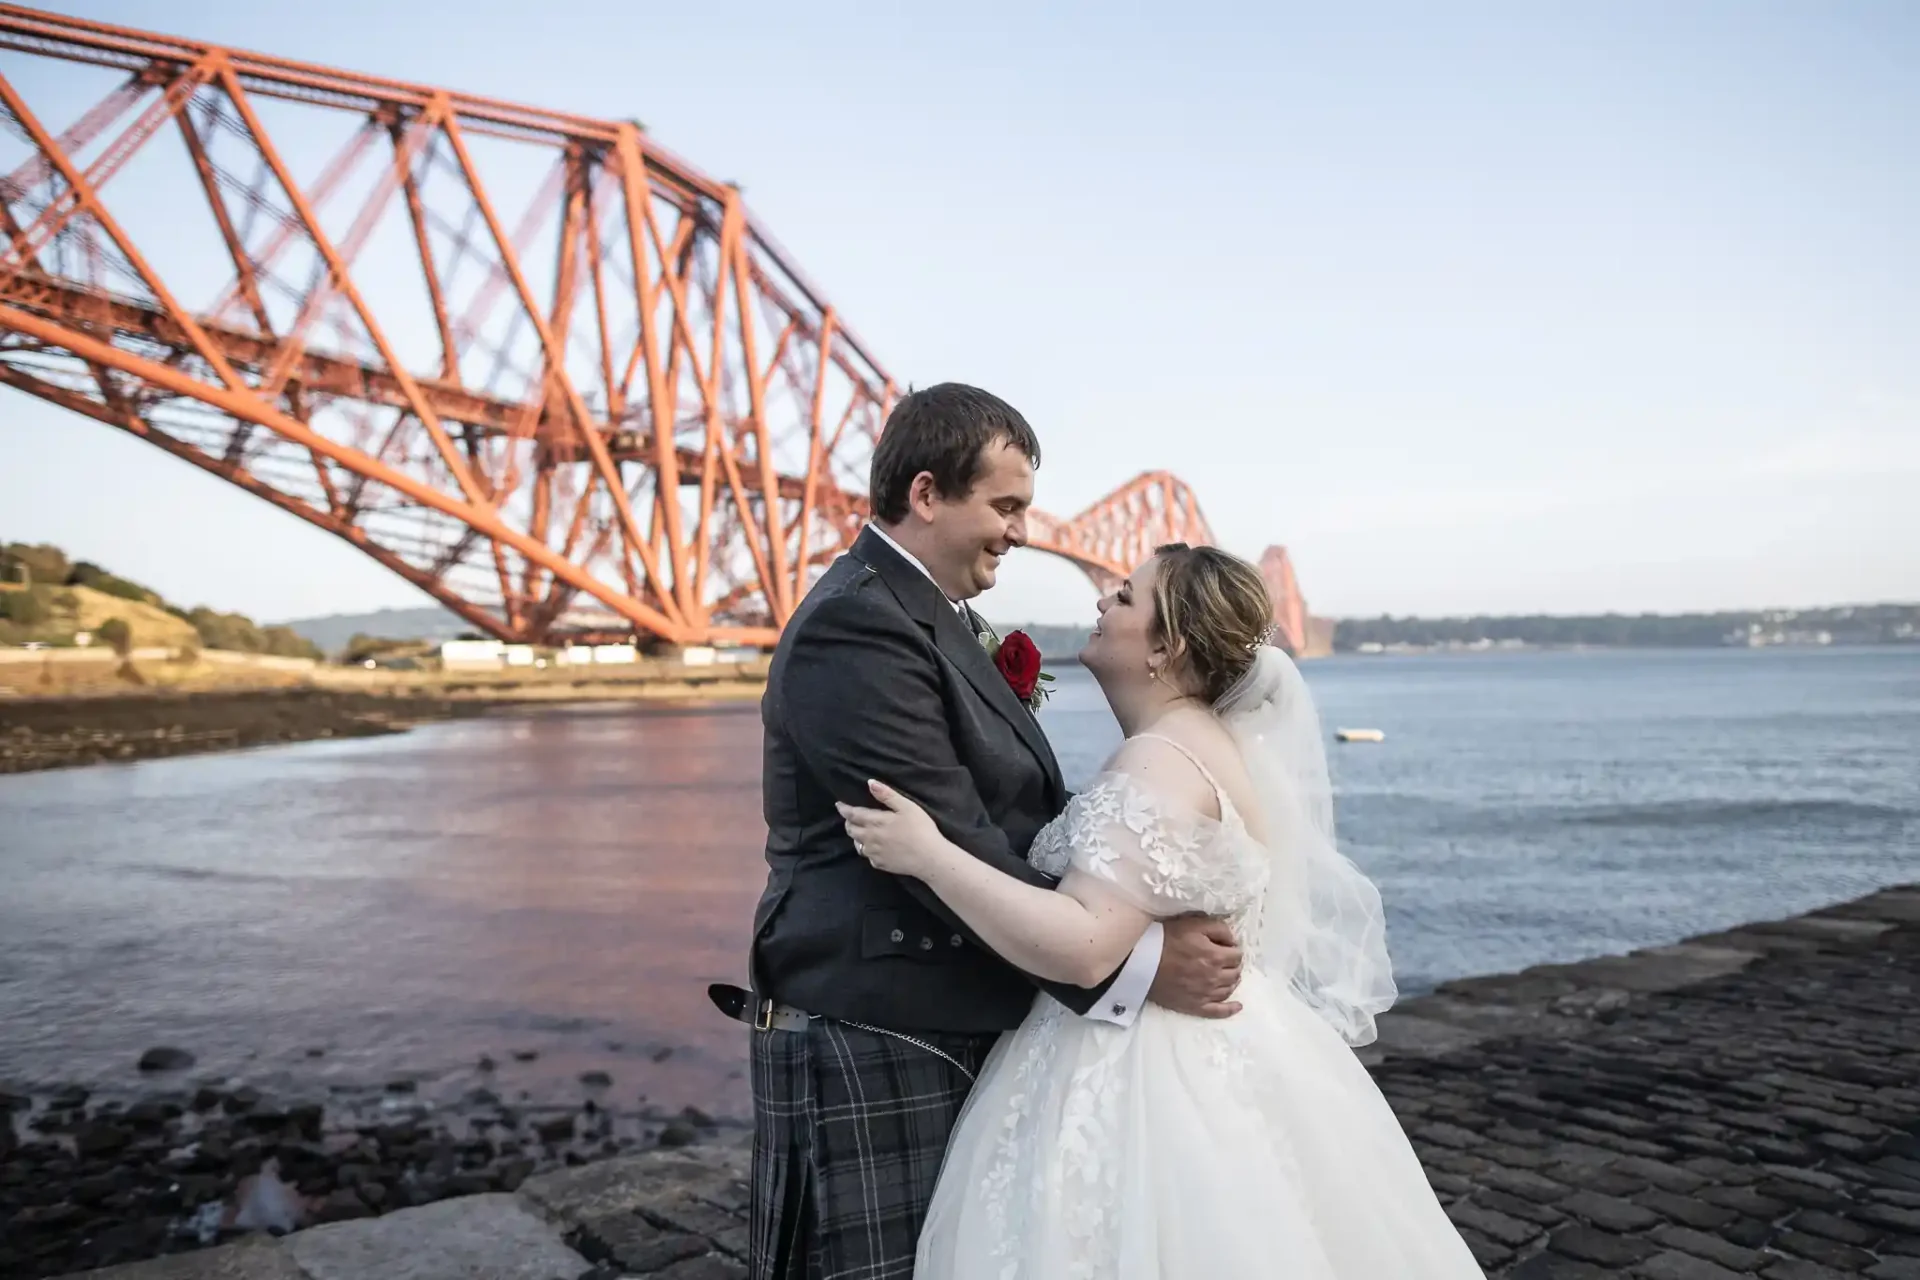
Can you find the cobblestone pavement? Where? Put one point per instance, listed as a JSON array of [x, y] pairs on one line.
[[1761, 1123]]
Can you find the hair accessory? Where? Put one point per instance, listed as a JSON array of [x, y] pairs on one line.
[[1259, 642]]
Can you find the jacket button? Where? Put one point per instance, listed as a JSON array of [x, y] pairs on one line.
[[955, 940], [898, 935], [926, 944]]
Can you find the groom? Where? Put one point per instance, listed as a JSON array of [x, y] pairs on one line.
[[872, 1006]]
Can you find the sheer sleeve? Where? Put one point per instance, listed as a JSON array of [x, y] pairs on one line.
[[1152, 853]]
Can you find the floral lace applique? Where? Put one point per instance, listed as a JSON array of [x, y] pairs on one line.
[[1167, 861]]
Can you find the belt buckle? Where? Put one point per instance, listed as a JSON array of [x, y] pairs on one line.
[[763, 1015]]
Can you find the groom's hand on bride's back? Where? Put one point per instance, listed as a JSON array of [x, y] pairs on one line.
[[1199, 968]]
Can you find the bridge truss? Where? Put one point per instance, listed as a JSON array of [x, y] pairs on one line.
[[532, 362]]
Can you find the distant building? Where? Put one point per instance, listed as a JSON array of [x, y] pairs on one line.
[[471, 655]]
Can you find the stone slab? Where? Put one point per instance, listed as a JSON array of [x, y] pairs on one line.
[[1894, 906], [486, 1237], [1670, 968], [255, 1258], [1825, 930], [627, 1184], [1412, 1034]]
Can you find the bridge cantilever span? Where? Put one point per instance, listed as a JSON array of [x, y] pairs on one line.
[[534, 363]]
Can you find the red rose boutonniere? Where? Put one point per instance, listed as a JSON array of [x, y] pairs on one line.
[[1018, 659]]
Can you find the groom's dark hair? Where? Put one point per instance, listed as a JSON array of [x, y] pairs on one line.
[[944, 430]]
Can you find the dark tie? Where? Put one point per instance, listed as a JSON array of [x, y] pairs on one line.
[[975, 622]]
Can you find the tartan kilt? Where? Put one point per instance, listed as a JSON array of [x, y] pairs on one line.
[[850, 1128]]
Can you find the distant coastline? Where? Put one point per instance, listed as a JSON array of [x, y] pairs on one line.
[[1888, 624]]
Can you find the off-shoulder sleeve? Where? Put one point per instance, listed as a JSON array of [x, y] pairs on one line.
[[1155, 853]]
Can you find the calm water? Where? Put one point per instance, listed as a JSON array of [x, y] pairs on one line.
[[565, 882]]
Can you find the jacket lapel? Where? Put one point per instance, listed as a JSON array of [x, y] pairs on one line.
[[954, 638]]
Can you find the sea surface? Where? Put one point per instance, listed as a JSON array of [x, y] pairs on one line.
[[564, 882]]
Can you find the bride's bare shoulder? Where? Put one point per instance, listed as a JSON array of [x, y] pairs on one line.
[[1162, 768]]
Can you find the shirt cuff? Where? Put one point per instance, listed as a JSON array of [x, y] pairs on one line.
[[1121, 1003]]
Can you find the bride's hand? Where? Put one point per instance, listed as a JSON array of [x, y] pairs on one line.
[[899, 837]]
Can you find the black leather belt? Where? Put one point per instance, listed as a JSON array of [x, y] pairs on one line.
[[759, 1012]]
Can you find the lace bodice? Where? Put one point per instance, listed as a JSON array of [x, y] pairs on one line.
[[1164, 858]]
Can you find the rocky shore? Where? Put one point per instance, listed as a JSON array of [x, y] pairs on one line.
[[1743, 1104], [56, 732], [51, 733], [87, 1183]]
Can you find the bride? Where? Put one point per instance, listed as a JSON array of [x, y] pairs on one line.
[[1181, 1147]]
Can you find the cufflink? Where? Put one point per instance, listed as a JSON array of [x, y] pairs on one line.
[[1119, 1009]]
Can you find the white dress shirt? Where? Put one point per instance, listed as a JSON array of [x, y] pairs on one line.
[[1121, 1003]]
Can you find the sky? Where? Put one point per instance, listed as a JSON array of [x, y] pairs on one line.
[[1477, 308]]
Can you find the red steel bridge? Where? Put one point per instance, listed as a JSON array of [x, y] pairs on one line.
[[534, 363]]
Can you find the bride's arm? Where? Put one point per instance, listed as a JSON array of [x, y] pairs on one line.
[[1076, 934], [1051, 934]]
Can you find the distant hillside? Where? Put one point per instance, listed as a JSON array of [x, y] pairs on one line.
[[45, 598], [332, 631], [1057, 644]]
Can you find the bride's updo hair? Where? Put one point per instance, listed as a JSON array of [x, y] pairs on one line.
[[1212, 612]]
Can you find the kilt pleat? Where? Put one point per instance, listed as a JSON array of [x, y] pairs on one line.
[[850, 1128]]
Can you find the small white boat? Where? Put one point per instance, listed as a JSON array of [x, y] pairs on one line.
[[1360, 735]]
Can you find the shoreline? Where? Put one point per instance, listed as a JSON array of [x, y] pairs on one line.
[[1731, 1105], [43, 733]]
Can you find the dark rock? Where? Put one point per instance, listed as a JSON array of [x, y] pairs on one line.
[[341, 1205], [1554, 1266], [46, 1215], [307, 1119], [165, 1058], [1607, 1212], [1702, 1245], [240, 1101], [595, 1079], [696, 1117], [514, 1172], [402, 1086], [1744, 1200], [206, 1099], [558, 1129], [98, 1137], [1683, 1266], [68, 1098], [1686, 1209], [525, 1055], [152, 1113], [1828, 1253], [1796, 1269], [636, 1244], [486, 1063], [316, 1052], [1598, 1247], [678, 1134], [663, 1053]]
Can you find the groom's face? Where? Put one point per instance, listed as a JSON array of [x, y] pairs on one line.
[[970, 534]]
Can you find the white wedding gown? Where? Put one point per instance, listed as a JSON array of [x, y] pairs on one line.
[[1180, 1148]]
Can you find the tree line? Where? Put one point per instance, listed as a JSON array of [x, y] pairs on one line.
[[1858, 624]]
